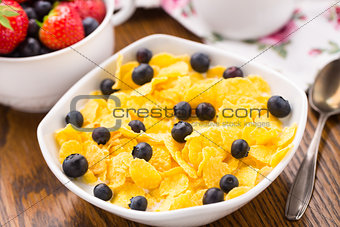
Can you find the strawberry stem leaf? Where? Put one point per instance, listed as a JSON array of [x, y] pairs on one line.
[[5, 22]]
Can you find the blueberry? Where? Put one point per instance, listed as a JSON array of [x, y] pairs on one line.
[[142, 151], [137, 126], [103, 192], [143, 55], [200, 62], [101, 135], [75, 118], [45, 50], [180, 130], [142, 74], [106, 87], [90, 24], [42, 8], [213, 195], [33, 29], [30, 47], [278, 106], [205, 111], [182, 110], [30, 13], [232, 72], [13, 54], [138, 203], [75, 165], [228, 182], [239, 149]]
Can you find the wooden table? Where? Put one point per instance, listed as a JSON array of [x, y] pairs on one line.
[[30, 195]]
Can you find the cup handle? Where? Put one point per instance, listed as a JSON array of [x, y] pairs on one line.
[[128, 8]]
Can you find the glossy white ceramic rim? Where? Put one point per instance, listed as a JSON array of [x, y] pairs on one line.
[[155, 216], [109, 12]]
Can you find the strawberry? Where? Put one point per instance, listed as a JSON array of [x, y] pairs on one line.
[[90, 8], [61, 28], [13, 25]]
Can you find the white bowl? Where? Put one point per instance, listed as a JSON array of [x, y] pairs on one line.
[[34, 84], [189, 216]]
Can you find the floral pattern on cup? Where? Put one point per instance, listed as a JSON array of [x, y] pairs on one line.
[[281, 39], [185, 6], [333, 48], [333, 16]]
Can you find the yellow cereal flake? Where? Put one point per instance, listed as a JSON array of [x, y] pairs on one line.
[[287, 136], [68, 148], [262, 173], [66, 134], [96, 158], [246, 176], [118, 169], [89, 177], [280, 154], [197, 197], [182, 201], [262, 153], [216, 72], [213, 171], [161, 158], [144, 174], [174, 149], [174, 185], [235, 192], [123, 194]]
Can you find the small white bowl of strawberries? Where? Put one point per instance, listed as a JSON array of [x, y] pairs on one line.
[[47, 45]]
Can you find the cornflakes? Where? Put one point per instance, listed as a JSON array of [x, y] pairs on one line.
[[178, 174]]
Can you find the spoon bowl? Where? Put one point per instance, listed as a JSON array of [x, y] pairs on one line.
[[324, 95]]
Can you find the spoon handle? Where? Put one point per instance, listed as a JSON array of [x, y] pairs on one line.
[[301, 191]]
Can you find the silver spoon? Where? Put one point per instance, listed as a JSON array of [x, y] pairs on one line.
[[324, 97]]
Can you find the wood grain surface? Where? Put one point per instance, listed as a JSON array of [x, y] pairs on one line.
[[30, 195]]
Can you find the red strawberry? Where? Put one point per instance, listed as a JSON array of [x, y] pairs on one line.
[[90, 8], [61, 28], [13, 25]]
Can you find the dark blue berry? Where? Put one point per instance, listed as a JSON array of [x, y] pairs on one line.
[[137, 126], [75, 118], [103, 192], [30, 47], [101, 135], [239, 149], [30, 13], [33, 29], [75, 165], [232, 72], [142, 74], [200, 62], [228, 182], [205, 111], [182, 110], [278, 106], [138, 203], [142, 151], [90, 24], [42, 8], [181, 130], [45, 50], [13, 54], [213, 195], [106, 87], [143, 55]]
